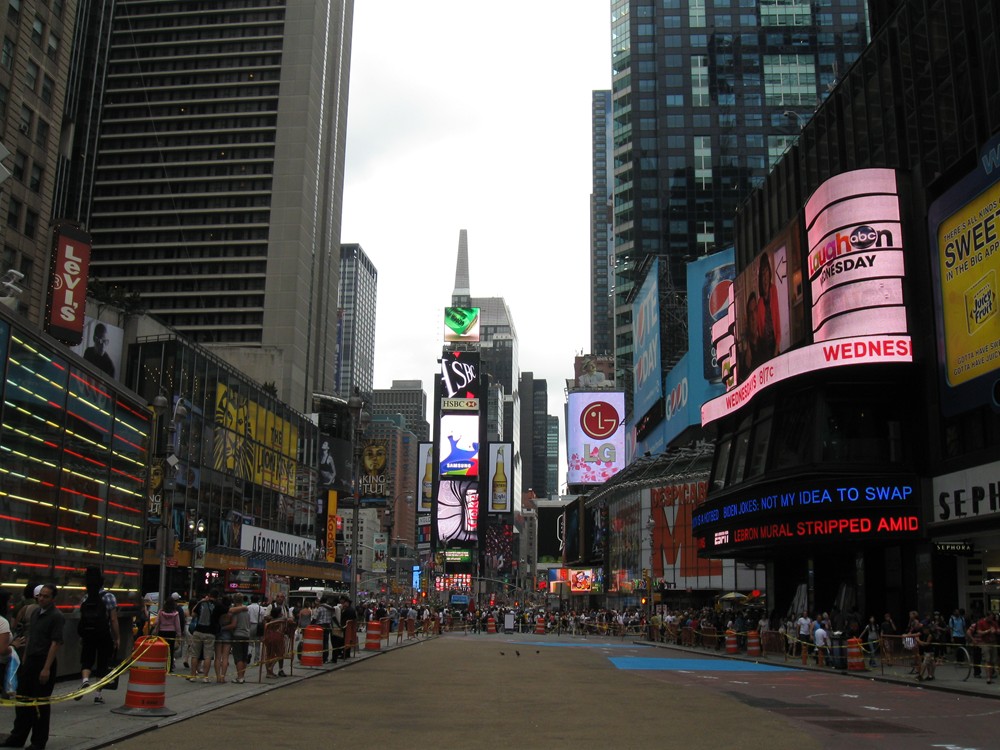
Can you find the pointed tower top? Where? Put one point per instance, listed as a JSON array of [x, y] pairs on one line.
[[460, 296]]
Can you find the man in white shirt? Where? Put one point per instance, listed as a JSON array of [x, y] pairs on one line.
[[803, 629], [256, 613], [822, 640]]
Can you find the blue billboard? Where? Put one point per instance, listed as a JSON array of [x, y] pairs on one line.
[[646, 340], [709, 280]]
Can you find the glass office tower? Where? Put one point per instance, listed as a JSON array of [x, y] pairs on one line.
[[706, 95]]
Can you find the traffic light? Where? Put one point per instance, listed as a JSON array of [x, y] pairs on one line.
[[644, 601]]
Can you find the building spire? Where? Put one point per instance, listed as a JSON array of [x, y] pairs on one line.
[[460, 297]]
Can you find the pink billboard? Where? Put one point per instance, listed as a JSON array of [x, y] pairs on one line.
[[856, 256]]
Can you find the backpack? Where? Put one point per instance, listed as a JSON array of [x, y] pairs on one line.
[[94, 620]]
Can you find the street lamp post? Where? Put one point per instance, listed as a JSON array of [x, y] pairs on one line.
[[164, 541], [359, 422]]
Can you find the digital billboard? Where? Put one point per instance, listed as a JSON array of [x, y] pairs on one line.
[[499, 477], [675, 550], [580, 580], [855, 260], [458, 447], [709, 283], [457, 511], [425, 477], [461, 324], [646, 340], [855, 271], [460, 381], [595, 436], [964, 235], [768, 295], [805, 512]]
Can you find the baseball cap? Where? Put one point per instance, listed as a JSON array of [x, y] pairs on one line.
[[175, 596], [38, 590]]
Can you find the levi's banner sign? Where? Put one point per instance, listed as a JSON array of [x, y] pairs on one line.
[[68, 285]]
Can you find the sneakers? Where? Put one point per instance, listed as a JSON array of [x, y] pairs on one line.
[[98, 699], [281, 673], [83, 686]]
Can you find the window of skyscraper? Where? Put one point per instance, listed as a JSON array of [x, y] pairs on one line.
[[696, 13]]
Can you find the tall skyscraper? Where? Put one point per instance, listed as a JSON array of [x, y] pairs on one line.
[[219, 178], [553, 446], [534, 397], [34, 67], [705, 97], [602, 241], [406, 397], [356, 323], [497, 348]]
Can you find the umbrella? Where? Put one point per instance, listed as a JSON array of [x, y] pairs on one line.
[[732, 596]]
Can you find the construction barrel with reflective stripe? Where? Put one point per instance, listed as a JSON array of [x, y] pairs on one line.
[[540, 626], [855, 659], [731, 647], [312, 646], [146, 694], [491, 624], [753, 643], [373, 636]]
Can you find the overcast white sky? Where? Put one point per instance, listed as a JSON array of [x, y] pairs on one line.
[[473, 115]]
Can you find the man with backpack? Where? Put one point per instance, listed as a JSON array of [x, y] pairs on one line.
[[98, 630]]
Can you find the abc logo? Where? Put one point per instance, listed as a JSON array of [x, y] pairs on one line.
[[864, 237]]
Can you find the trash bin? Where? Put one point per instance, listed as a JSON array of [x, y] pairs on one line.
[[838, 651]]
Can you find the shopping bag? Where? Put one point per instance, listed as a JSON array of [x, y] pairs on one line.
[[10, 676]]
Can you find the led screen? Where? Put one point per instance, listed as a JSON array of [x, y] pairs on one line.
[[457, 511], [461, 324], [856, 256], [459, 446], [499, 477], [580, 580], [595, 436], [768, 298]]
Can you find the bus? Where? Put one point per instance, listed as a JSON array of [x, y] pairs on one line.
[[250, 581]]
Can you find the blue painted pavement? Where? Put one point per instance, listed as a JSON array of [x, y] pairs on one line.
[[692, 665]]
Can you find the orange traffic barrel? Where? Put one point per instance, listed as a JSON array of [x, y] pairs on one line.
[[753, 643], [491, 624], [855, 659], [731, 647], [540, 626], [146, 694], [373, 636], [312, 646]]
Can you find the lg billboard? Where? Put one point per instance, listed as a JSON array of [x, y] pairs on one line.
[[595, 436]]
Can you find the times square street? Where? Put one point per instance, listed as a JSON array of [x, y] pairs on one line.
[[552, 691]]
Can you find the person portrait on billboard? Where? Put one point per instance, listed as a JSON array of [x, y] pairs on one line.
[[768, 315], [373, 459], [97, 353], [591, 377], [327, 467]]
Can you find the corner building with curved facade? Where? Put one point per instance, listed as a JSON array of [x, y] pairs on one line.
[[856, 452]]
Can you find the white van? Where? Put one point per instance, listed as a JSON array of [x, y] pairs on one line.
[[300, 596]]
